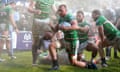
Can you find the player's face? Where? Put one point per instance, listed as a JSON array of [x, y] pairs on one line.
[[94, 16], [14, 5], [79, 17], [62, 11]]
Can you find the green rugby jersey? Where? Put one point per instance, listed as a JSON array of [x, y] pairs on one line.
[[109, 29], [72, 34], [45, 7], [5, 13], [82, 35]]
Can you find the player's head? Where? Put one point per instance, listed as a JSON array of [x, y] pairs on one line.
[[96, 14], [12, 3], [62, 10], [80, 16]]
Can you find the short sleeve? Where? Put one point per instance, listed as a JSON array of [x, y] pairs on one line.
[[9, 10], [98, 23], [70, 17]]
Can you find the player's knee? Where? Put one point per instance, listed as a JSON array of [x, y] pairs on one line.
[[74, 60], [52, 45], [48, 35], [96, 49]]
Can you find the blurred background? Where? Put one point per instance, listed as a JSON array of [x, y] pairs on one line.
[[24, 19]]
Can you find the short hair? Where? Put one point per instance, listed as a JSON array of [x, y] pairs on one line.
[[96, 12], [81, 12], [11, 2], [63, 5]]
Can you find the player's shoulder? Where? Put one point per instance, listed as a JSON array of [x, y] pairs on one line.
[[101, 18], [86, 22], [8, 7], [69, 15], [48, 2]]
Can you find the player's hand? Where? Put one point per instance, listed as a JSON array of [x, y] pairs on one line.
[[39, 51], [51, 24], [105, 42], [103, 39], [16, 30], [77, 28], [62, 28], [38, 12], [53, 17]]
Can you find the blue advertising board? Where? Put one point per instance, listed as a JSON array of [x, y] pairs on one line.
[[24, 40]]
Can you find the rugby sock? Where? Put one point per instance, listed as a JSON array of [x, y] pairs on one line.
[[103, 60], [55, 63], [104, 63], [115, 53]]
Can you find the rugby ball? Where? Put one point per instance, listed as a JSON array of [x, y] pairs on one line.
[[66, 24]]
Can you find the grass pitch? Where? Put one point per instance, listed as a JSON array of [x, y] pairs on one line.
[[24, 59]]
